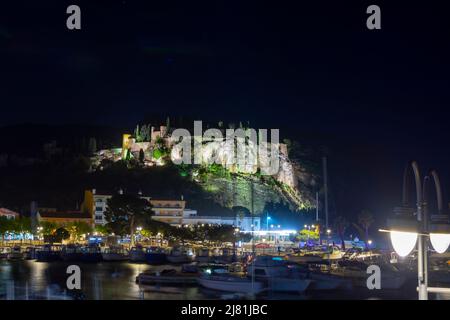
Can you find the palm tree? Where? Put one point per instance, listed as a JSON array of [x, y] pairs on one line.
[[365, 220], [341, 224]]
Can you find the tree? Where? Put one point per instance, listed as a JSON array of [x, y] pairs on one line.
[[141, 156], [78, 228], [22, 226], [92, 146], [341, 224], [365, 220], [48, 227], [167, 125], [5, 226], [144, 133], [102, 229], [126, 212], [60, 234]]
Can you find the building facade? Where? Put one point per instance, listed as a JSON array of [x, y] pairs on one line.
[[9, 214], [173, 212]]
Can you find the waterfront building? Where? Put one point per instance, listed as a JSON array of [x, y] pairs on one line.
[[9, 214], [64, 217], [173, 212]]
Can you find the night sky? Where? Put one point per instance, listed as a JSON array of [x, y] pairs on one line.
[[379, 97]]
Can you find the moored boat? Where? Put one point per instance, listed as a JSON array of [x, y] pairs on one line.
[[155, 255], [277, 275], [137, 254], [30, 253], [71, 252], [230, 283], [4, 251], [15, 254], [180, 255], [48, 253], [115, 254], [202, 255], [91, 254], [168, 276], [356, 271]]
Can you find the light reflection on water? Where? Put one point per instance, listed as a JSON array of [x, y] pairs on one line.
[[98, 281], [116, 281]]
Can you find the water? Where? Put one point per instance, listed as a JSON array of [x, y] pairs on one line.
[[106, 280], [116, 281]]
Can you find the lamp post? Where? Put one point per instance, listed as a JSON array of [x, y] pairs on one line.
[[405, 232]]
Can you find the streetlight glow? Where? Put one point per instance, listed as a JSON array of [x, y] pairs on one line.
[[440, 241], [403, 242]]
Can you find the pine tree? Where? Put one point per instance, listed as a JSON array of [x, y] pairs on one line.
[[141, 156], [92, 146]]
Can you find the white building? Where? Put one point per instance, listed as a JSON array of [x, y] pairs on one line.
[[173, 212]]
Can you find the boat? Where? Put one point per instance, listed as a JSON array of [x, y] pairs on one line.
[[230, 283], [356, 271], [115, 254], [202, 255], [180, 255], [155, 255], [30, 253], [167, 277], [15, 254], [91, 253], [71, 252], [137, 254], [317, 256], [278, 275], [48, 253], [224, 255], [4, 251]]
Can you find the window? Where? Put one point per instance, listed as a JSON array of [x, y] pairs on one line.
[[97, 217], [99, 209]]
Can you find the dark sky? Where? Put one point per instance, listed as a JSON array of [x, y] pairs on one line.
[[381, 95]]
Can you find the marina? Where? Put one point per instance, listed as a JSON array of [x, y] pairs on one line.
[[109, 273]]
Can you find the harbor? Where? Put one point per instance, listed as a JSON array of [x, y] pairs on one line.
[[184, 273]]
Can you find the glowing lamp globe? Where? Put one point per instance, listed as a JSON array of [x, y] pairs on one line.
[[440, 241], [403, 242]]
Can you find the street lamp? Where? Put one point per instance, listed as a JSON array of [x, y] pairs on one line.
[[267, 221], [405, 231]]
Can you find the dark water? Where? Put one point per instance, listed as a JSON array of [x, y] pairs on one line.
[[116, 281], [106, 280]]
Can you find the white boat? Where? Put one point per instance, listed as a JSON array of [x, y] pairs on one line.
[[276, 273], [180, 255], [229, 283], [332, 253], [115, 254], [15, 254], [356, 271]]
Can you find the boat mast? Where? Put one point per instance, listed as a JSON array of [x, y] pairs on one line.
[[325, 188], [253, 240]]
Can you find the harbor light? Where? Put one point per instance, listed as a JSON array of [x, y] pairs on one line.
[[403, 242], [440, 233], [440, 241]]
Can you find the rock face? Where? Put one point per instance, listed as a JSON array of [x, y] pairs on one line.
[[274, 178]]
